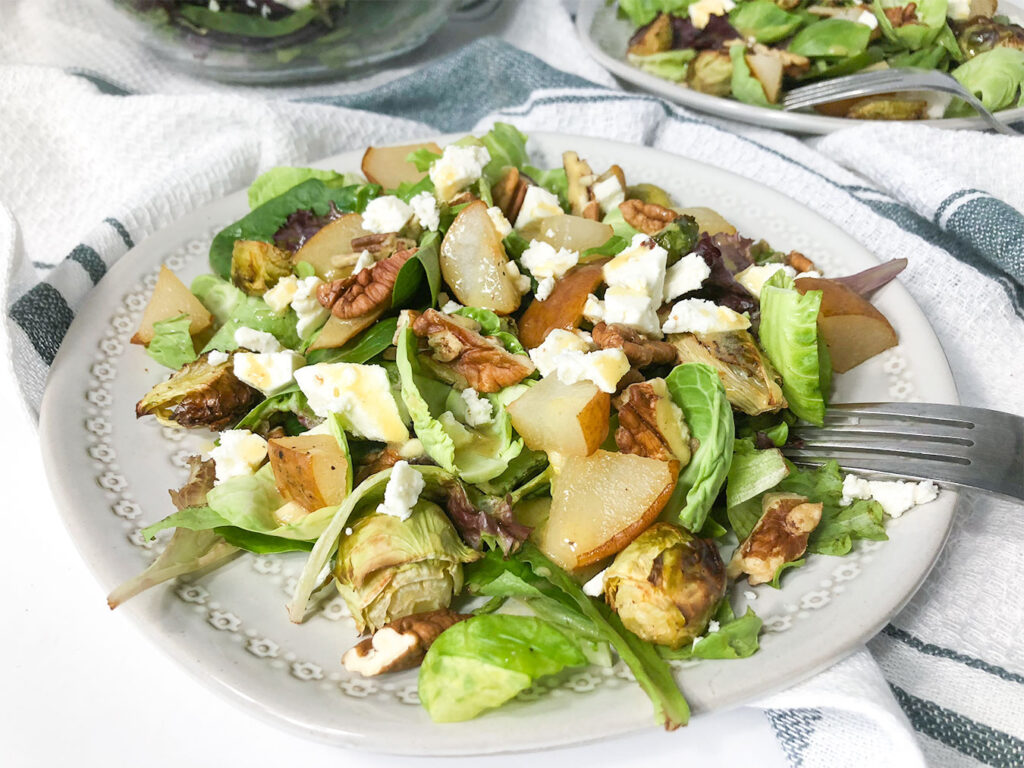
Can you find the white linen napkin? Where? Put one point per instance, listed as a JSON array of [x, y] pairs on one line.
[[92, 164]]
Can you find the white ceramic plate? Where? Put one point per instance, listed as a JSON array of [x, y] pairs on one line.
[[110, 475], [605, 37]]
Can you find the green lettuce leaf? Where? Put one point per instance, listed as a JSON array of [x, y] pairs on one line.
[[172, 344], [994, 76], [263, 222], [482, 662], [423, 267], [764, 21], [279, 180], [642, 12], [752, 472], [507, 147], [669, 65], [698, 391], [235, 310], [247, 501], [362, 348], [247, 24], [746, 87], [832, 38], [931, 18], [553, 180], [422, 158], [789, 336], [735, 638]]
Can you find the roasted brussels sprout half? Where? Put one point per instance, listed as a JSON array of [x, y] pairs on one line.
[[678, 238], [779, 537], [751, 384], [981, 34], [652, 38], [666, 585], [200, 395], [649, 193], [256, 267], [388, 568], [711, 72], [888, 109]]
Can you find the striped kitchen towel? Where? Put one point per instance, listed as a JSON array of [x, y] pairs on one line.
[[92, 168]]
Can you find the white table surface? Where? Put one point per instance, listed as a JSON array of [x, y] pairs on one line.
[[83, 687]]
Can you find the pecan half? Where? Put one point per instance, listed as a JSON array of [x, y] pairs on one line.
[[640, 351], [779, 537], [509, 192], [650, 425], [649, 218], [401, 644], [362, 293], [481, 361], [799, 262], [902, 15]]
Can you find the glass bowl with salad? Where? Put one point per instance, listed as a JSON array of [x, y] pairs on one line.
[[519, 419], [275, 41], [754, 51]]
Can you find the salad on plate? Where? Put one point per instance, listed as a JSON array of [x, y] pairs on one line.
[[521, 419], [754, 51]]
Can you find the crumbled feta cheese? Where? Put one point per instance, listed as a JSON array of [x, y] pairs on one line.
[[751, 596], [713, 626], [640, 267], [310, 312], [411, 449], [457, 168], [216, 357], [959, 10], [478, 409], [361, 393], [544, 261], [365, 260], [257, 341], [868, 19], [625, 306], [269, 372], [348, 531], [703, 316], [265, 11], [280, 296], [558, 341], [386, 214], [519, 280], [451, 307], [538, 204], [500, 222], [595, 586], [895, 496], [402, 491], [755, 276], [685, 275], [701, 11], [808, 273], [608, 193], [567, 356], [294, 4], [424, 208], [544, 288], [240, 453], [213, 5]]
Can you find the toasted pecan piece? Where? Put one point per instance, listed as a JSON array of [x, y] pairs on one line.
[[779, 537], [640, 351], [401, 644], [366, 291], [649, 218]]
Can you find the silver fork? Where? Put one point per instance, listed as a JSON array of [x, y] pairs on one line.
[[887, 81], [950, 444]]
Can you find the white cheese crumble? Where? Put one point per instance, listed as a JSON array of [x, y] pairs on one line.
[[360, 393], [538, 204], [625, 306], [257, 341], [240, 453], [216, 357], [519, 280], [755, 276], [214, 6], [868, 19], [478, 409], [895, 496], [595, 586], [685, 275], [702, 11], [546, 264], [310, 312], [608, 193], [402, 491], [636, 285], [424, 208], [567, 356], [280, 296], [751, 596], [386, 214], [451, 307], [500, 222], [457, 168], [703, 316], [713, 626], [411, 449], [959, 10], [365, 260], [269, 372]]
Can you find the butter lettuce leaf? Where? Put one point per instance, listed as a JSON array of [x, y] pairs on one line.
[[234, 310], [752, 472], [279, 180], [735, 638], [172, 344]]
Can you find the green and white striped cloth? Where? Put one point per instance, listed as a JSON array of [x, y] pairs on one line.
[[89, 166]]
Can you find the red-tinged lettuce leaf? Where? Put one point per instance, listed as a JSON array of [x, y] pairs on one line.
[[302, 225], [871, 279], [713, 37], [720, 286], [491, 522], [735, 250]]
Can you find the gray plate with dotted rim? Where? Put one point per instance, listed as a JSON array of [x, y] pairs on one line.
[[605, 37], [110, 473]]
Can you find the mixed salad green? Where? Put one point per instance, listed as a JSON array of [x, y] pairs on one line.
[[755, 50], [459, 384]]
